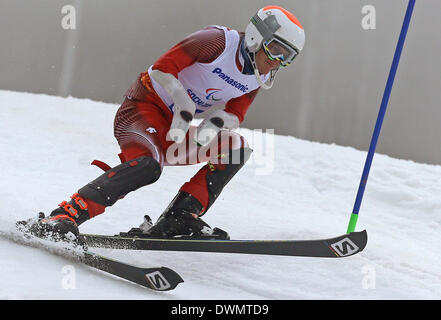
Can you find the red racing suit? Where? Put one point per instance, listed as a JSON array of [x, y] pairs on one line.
[[143, 120]]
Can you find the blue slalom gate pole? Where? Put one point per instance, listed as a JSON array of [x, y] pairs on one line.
[[383, 107]]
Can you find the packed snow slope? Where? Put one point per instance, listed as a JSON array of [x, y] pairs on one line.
[[290, 189]]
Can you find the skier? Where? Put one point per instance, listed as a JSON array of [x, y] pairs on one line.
[[216, 65]]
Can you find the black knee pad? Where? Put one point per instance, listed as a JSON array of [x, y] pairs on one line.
[[122, 179]]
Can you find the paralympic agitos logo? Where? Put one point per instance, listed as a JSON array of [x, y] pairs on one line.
[[211, 94]]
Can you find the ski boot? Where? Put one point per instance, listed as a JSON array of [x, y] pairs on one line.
[[55, 228], [179, 221], [61, 225]]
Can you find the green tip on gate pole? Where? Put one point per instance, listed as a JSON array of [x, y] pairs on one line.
[[352, 223]]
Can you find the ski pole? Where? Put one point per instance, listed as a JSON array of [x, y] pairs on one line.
[[383, 107]]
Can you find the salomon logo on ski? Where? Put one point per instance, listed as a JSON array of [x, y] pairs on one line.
[[158, 281], [345, 247]]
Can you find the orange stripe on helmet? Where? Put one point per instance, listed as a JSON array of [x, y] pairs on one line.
[[288, 14]]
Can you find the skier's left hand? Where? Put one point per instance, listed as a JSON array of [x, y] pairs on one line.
[[212, 125]]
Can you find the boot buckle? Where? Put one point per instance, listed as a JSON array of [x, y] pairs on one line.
[[69, 209]]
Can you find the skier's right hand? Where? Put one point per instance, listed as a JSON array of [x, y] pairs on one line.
[[180, 125], [183, 109]]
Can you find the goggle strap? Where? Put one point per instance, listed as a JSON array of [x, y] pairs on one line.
[[266, 27]]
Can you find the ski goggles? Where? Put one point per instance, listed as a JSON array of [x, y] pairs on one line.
[[276, 49]]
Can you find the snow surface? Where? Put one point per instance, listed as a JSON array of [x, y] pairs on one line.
[[48, 142]]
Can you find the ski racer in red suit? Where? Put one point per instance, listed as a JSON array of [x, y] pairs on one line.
[[216, 65]]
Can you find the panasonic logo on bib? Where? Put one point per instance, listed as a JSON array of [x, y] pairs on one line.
[[230, 80]]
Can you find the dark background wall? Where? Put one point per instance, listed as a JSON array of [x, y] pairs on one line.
[[330, 94]]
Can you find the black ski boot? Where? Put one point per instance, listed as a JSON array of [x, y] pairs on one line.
[[55, 228], [181, 221], [61, 225]]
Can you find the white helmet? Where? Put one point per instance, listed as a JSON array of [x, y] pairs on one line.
[[273, 23]]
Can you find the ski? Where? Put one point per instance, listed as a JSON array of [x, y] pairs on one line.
[[158, 278], [341, 246], [155, 278]]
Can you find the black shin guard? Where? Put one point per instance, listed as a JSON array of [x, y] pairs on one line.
[[218, 178], [122, 179]]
